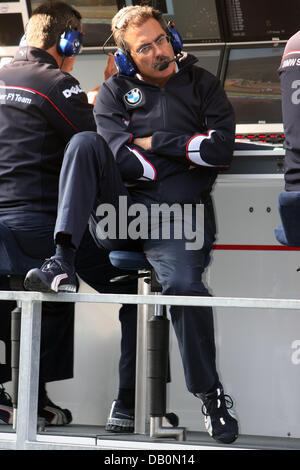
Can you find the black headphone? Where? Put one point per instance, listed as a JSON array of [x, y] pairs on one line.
[[70, 42], [125, 63]]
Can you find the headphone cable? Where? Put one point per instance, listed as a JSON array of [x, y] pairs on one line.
[[105, 42]]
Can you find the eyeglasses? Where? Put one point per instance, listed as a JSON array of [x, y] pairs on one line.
[[145, 50]]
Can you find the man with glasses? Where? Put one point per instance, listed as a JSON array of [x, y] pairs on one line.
[[165, 127]]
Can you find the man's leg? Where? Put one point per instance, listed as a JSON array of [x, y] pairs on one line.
[[179, 270], [34, 234], [94, 267], [6, 411], [89, 177]]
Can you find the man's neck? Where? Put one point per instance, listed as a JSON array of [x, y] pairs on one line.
[[158, 82]]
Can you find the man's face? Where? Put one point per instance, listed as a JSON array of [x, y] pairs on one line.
[[145, 35]]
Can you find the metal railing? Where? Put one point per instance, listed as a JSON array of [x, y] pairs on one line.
[[26, 435]]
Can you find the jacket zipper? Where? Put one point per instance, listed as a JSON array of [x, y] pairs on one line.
[[164, 107]]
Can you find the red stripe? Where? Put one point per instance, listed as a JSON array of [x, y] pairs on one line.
[[256, 247], [51, 102], [291, 52], [187, 145]]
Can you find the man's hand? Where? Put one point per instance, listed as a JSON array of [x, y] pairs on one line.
[[92, 95], [144, 142]]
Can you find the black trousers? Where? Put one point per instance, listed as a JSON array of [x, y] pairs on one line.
[[34, 234], [91, 183]]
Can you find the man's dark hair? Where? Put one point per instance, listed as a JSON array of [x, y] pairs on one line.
[[49, 21]]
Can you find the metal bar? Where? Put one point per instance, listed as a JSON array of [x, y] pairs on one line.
[[30, 342], [158, 430], [29, 373], [15, 358], [153, 299], [141, 403], [159, 309]]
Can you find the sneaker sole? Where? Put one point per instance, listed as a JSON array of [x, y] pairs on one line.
[[119, 429], [54, 416], [171, 420], [34, 283], [226, 438]]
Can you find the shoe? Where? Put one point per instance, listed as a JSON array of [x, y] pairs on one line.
[[53, 414], [6, 408], [121, 419], [219, 420], [54, 275]]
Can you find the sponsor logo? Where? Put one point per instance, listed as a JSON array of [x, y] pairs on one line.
[[133, 97], [74, 90]]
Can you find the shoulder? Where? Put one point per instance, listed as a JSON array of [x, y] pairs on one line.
[[190, 64], [64, 85], [293, 44], [291, 56]]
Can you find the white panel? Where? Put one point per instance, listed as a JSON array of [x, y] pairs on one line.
[[89, 70]]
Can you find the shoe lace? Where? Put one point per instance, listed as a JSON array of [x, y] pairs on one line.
[[5, 398], [48, 264], [212, 405]]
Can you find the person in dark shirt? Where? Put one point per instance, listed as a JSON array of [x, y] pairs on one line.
[[289, 72], [165, 127], [41, 107]]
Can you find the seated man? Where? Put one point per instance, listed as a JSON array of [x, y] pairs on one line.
[[38, 116], [164, 126]]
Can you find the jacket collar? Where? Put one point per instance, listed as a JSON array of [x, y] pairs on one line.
[[34, 54], [186, 60]]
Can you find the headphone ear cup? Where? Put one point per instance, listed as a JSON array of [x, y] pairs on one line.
[[124, 63], [175, 38], [70, 43]]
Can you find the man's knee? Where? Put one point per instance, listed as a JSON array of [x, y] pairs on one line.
[[188, 283], [88, 141]]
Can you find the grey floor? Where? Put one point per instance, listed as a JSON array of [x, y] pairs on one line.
[[193, 438]]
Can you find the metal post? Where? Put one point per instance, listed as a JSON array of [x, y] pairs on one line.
[[15, 357], [141, 423], [158, 352], [29, 372], [158, 430]]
